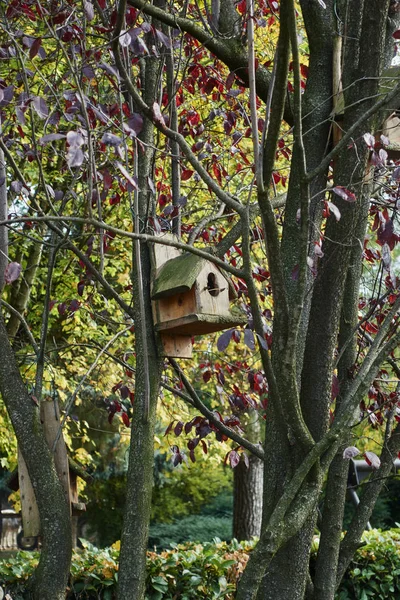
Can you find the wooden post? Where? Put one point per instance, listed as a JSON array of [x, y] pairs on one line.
[[50, 417], [29, 509]]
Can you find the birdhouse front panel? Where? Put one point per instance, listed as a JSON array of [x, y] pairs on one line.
[[212, 291], [174, 307]]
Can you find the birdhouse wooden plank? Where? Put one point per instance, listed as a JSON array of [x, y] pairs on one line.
[[391, 129], [191, 296]]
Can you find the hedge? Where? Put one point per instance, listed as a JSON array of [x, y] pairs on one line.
[[206, 571]]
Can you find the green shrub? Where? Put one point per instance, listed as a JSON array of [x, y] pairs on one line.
[[206, 572], [375, 569], [196, 528]]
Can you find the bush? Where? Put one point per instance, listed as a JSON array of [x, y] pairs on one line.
[[196, 528], [207, 572], [375, 570], [192, 572]]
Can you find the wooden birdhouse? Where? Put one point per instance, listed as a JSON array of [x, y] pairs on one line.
[[391, 129], [191, 296]]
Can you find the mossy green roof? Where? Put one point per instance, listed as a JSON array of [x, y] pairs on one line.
[[177, 275]]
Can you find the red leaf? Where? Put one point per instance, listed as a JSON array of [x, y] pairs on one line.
[[344, 193], [207, 376], [335, 387], [372, 460], [34, 49], [125, 419], [186, 174], [81, 287], [170, 426]]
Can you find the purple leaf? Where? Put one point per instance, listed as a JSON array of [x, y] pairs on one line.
[[109, 69], [192, 443], [19, 114], [8, 94], [88, 72], [34, 49], [178, 428], [295, 272], [249, 339], [40, 106], [74, 305], [386, 256], [127, 176], [75, 157], [234, 458], [369, 140], [385, 140], [151, 185], [12, 272], [146, 27], [81, 287], [125, 39], [75, 139], [224, 339], [89, 10], [135, 123], [109, 139], [164, 39], [124, 391], [396, 174], [372, 460], [262, 341], [385, 232], [158, 118], [245, 459], [50, 137], [350, 452], [16, 187], [62, 307]]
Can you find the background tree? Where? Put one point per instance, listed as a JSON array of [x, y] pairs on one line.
[[204, 146]]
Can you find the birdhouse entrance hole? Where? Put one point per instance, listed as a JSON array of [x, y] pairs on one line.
[[212, 285]]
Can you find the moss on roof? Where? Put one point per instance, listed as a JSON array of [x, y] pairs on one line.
[[177, 275]]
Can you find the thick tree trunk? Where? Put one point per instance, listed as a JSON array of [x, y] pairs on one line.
[[247, 499], [248, 485], [51, 576]]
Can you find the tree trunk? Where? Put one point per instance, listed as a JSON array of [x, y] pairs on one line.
[[247, 499], [3, 217], [51, 576], [132, 569]]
